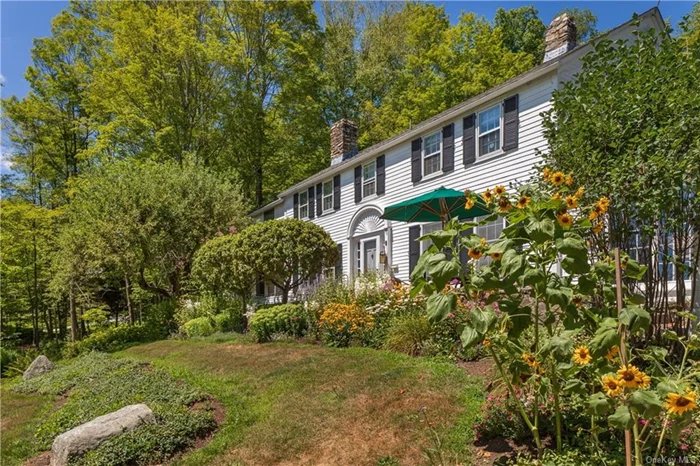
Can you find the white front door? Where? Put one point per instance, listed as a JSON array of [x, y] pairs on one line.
[[367, 251]]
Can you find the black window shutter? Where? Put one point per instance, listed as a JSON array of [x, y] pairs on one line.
[[296, 205], [468, 143], [358, 184], [463, 257], [510, 123], [319, 199], [381, 175], [413, 247], [339, 264], [448, 148], [336, 192], [416, 146], [260, 287], [310, 198]]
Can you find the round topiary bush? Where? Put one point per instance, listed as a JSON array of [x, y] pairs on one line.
[[288, 319]]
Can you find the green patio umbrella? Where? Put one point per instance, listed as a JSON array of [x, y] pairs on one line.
[[439, 205]]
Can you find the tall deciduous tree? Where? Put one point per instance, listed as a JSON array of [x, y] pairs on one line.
[[522, 30], [585, 21], [636, 125]]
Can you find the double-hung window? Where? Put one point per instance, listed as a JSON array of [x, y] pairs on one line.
[[490, 130], [369, 179], [303, 204], [432, 152], [328, 196]]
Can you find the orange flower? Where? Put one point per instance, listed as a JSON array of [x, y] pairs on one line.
[[487, 195], [565, 220], [569, 180], [557, 178], [556, 196], [612, 353], [499, 190], [474, 253], [496, 256], [504, 204], [469, 204], [523, 202], [571, 202], [597, 227], [546, 173], [579, 193]]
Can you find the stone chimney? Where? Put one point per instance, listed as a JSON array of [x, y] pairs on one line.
[[343, 140], [560, 37]]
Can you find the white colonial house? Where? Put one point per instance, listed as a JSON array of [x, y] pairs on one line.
[[490, 139]]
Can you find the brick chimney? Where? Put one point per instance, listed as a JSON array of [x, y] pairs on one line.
[[560, 37], [343, 140]]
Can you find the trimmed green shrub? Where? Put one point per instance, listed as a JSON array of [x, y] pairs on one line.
[[199, 327], [225, 322], [288, 319], [114, 339]]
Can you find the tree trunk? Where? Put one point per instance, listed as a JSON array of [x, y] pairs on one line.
[[132, 319], [35, 300], [73, 316]]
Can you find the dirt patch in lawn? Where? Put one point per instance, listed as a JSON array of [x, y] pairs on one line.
[[483, 367], [43, 459]]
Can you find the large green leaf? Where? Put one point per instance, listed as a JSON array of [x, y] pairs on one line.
[[440, 238], [598, 404], [443, 270], [540, 230], [561, 346], [482, 319], [605, 338], [470, 337], [441, 304], [575, 265], [512, 262], [634, 270], [635, 318], [572, 245], [646, 403], [622, 419]]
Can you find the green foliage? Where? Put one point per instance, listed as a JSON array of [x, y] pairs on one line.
[[585, 21], [114, 338], [287, 319], [98, 384], [286, 252], [408, 334], [522, 29], [199, 327]]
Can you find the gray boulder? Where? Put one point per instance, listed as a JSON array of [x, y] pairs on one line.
[[40, 365], [91, 434]]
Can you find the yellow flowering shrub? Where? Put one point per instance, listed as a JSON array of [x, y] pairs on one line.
[[340, 323]]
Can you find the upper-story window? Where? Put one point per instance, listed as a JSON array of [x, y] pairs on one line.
[[432, 154], [490, 130], [328, 195], [269, 215], [303, 204], [369, 179]]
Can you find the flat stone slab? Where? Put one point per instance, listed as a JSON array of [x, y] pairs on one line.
[[40, 365], [90, 435]]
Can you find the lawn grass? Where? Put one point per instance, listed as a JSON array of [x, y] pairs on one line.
[[288, 403], [21, 415]]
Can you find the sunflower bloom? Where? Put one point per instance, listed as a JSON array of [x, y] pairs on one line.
[[469, 204], [612, 385], [487, 195], [530, 360], [504, 204], [499, 190], [582, 355], [569, 180], [679, 404], [523, 202], [557, 178], [571, 202], [474, 253], [579, 193], [629, 376], [597, 227], [556, 196], [487, 342], [565, 220], [546, 173], [496, 256], [612, 353], [643, 380]]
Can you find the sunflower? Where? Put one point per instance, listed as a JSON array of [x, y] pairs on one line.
[[557, 178], [643, 380], [487, 342], [546, 173], [499, 190], [469, 204], [488, 195], [577, 300], [582, 356], [579, 193], [597, 227], [612, 385], [612, 353], [523, 202], [678, 404], [629, 376], [569, 180], [565, 220], [571, 202], [504, 204], [530, 360], [556, 196], [604, 202], [496, 256], [483, 242], [474, 253]]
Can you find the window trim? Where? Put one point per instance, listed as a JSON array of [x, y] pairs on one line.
[[367, 182], [325, 196], [306, 204], [479, 135], [438, 154]]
